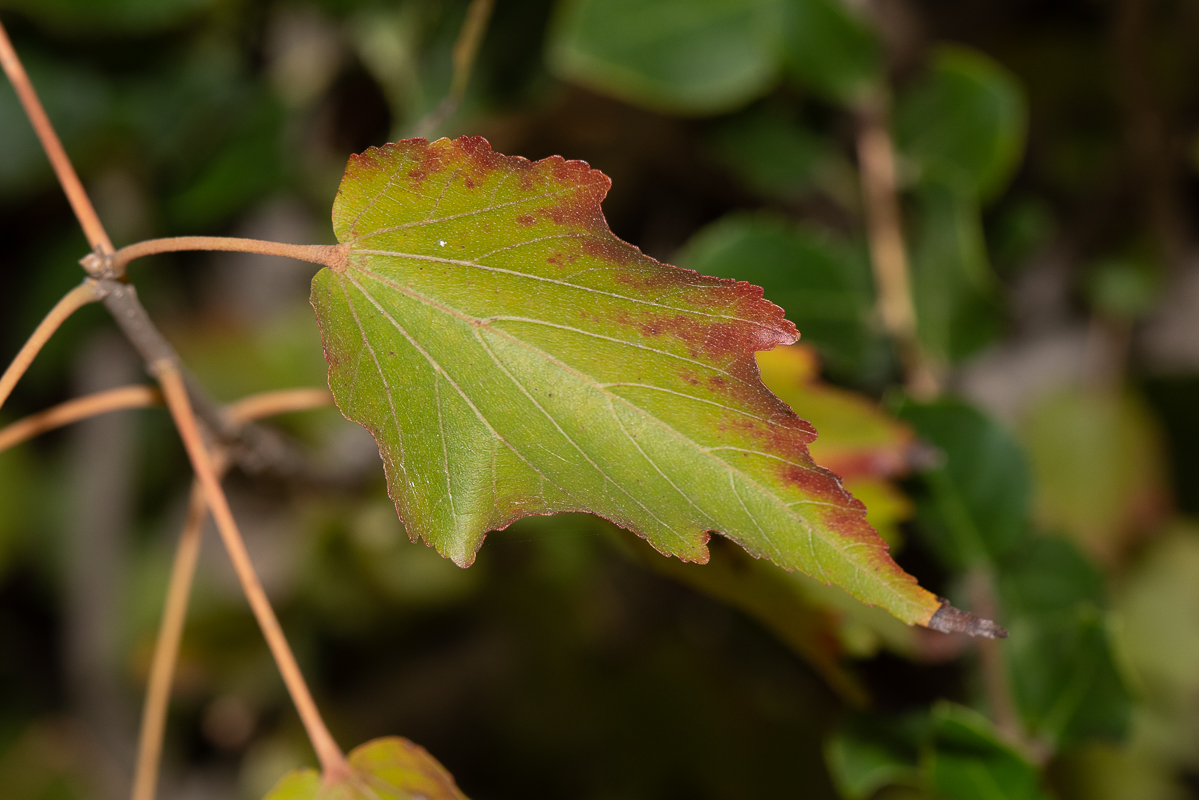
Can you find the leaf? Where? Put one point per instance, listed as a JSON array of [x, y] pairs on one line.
[[825, 285], [953, 285], [513, 357], [829, 50], [855, 437], [776, 156], [683, 56], [1100, 469], [964, 124], [969, 760], [391, 768], [1064, 678], [1157, 613], [977, 504], [873, 751]]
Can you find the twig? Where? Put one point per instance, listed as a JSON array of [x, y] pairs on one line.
[[78, 409], [876, 161], [71, 302], [93, 229], [283, 401], [174, 615], [333, 763], [470, 36], [333, 256], [166, 648], [256, 406]]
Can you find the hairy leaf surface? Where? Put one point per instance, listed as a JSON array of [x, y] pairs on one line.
[[512, 357]]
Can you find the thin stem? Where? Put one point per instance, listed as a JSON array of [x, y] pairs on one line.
[[166, 648], [255, 406], [876, 162], [333, 762], [71, 302], [283, 401], [470, 36], [333, 256], [78, 409], [174, 615], [93, 229]]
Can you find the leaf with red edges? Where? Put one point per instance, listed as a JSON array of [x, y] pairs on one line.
[[513, 357]]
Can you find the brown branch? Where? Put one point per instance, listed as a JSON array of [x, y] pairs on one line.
[[333, 256], [888, 255], [78, 409], [470, 36], [71, 302], [93, 229], [333, 762], [166, 648]]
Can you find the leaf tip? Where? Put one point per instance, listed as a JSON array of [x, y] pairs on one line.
[[948, 619]]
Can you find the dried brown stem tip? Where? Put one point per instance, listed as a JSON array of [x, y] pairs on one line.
[[953, 620]]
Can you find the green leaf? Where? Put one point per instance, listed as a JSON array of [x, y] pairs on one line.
[[825, 285], [1157, 610], [829, 50], [391, 768], [684, 56], [513, 357], [1064, 678], [977, 502], [1100, 468], [873, 751], [952, 283], [964, 123], [778, 157], [968, 760]]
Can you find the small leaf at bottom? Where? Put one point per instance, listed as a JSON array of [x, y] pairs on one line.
[[391, 768]]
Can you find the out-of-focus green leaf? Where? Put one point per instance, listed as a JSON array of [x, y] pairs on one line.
[[125, 16], [854, 436], [247, 168], [563, 370], [1124, 288], [953, 286], [963, 125], [683, 56], [1064, 679], [1101, 771], [968, 760], [391, 768], [1157, 608], [778, 157], [829, 50], [825, 286], [977, 502], [870, 752], [1099, 466]]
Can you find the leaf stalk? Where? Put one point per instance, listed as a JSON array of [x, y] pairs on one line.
[[93, 229], [72, 301], [332, 760]]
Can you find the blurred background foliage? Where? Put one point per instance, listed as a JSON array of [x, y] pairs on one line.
[[1048, 158]]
